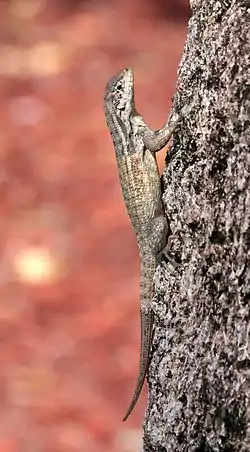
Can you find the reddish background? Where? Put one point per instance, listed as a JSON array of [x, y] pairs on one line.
[[69, 270]]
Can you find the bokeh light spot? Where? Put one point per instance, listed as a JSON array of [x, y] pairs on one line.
[[36, 266]]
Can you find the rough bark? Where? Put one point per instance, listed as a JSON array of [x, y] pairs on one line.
[[199, 375]]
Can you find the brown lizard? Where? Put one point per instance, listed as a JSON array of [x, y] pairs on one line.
[[135, 146]]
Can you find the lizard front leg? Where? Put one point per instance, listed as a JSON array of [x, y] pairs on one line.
[[155, 140]]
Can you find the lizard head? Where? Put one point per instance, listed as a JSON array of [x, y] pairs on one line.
[[119, 94]]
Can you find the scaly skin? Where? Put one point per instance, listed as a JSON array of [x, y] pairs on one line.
[[135, 146]]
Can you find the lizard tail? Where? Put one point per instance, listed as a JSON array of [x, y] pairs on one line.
[[146, 340]]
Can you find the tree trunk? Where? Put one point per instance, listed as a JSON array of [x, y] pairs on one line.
[[199, 377]]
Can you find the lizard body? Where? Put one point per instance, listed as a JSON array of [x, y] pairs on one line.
[[135, 146]]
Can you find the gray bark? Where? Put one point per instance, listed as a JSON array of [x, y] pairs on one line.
[[199, 377]]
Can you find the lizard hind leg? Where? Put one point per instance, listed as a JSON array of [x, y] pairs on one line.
[[166, 251], [157, 234], [159, 241]]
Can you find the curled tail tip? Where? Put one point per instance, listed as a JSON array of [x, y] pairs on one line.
[[128, 413], [135, 398]]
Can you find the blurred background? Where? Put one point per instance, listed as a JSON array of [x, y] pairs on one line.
[[69, 270]]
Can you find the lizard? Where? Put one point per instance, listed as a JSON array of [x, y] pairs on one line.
[[135, 145]]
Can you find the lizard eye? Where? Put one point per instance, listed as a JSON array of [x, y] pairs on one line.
[[119, 86]]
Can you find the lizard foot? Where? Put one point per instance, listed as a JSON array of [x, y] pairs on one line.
[[166, 252]]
